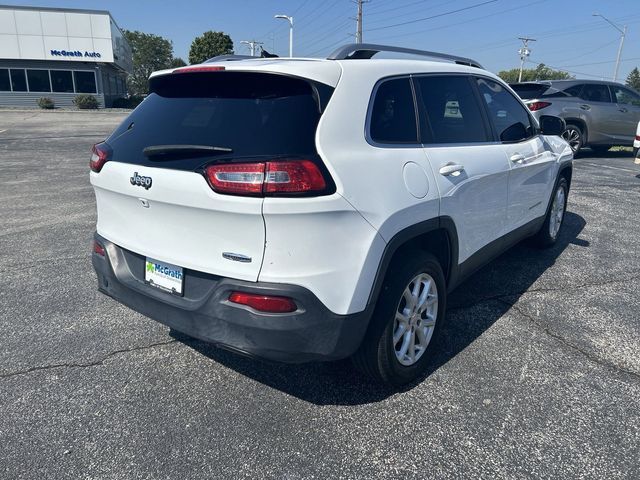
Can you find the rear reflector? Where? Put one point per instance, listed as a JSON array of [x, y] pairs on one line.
[[285, 177], [264, 303], [97, 248], [99, 155], [535, 106]]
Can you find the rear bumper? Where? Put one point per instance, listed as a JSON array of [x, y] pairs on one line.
[[311, 333]]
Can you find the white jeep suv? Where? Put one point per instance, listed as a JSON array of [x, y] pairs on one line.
[[316, 209]]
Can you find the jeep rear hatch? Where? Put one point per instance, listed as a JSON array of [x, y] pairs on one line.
[[182, 179]]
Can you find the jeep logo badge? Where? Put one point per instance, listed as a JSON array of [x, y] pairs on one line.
[[141, 181]]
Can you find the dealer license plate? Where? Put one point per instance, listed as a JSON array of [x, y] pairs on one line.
[[164, 275]]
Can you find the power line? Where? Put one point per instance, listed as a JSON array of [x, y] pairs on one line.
[[411, 13], [456, 24], [435, 16], [398, 7]]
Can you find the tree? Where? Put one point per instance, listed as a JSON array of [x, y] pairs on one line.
[[210, 44], [541, 72], [150, 53], [177, 62], [633, 80]]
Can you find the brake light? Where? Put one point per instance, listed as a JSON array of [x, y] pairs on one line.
[[264, 303], [199, 68], [99, 155], [535, 106], [637, 138], [260, 178]]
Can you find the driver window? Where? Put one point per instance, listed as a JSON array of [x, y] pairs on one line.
[[509, 117], [623, 95]]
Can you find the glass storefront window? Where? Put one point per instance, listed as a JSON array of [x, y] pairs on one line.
[[85, 82], [18, 80], [38, 80], [61, 81], [5, 85]]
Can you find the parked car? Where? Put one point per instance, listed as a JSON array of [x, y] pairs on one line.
[[636, 141], [598, 114], [306, 209]]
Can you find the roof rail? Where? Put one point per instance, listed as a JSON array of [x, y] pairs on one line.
[[356, 51], [228, 58]]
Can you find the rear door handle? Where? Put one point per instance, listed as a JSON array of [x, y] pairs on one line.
[[451, 169], [517, 158], [584, 106]]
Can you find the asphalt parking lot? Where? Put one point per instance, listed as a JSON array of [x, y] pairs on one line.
[[537, 375]]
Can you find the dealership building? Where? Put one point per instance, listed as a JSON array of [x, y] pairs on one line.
[[60, 53]]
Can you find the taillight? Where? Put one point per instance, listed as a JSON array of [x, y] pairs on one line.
[[637, 138], [99, 155], [534, 106], [270, 178], [239, 178], [264, 303]]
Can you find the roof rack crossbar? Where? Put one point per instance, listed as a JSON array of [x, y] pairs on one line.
[[358, 51], [229, 58]]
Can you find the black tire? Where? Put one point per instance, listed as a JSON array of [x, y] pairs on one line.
[[600, 149], [575, 136], [376, 356], [545, 238]]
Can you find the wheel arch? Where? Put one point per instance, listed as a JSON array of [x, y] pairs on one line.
[[437, 236]]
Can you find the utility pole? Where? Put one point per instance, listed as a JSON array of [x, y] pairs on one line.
[[524, 53], [359, 20], [623, 33], [252, 45]]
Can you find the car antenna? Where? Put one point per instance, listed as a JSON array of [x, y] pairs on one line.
[[265, 54]]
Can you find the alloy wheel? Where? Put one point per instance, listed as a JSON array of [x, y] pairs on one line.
[[415, 319], [573, 137], [557, 212]]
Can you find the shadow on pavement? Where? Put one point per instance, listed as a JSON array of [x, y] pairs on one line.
[[338, 383], [588, 153]]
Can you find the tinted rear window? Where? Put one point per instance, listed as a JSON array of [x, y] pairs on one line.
[[254, 114], [528, 91]]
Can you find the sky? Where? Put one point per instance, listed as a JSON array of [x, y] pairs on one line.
[[568, 36]]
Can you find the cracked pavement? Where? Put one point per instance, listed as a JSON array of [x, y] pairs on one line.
[[537, 375]]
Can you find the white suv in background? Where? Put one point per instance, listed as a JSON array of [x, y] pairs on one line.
[[316, 209]]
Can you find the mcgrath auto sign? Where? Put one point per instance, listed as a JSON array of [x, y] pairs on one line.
[[74, 53]]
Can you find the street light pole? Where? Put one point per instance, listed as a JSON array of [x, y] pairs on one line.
[[623, 33], [290, 20]]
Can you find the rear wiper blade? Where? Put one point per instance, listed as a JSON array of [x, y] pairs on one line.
[[182, 150]]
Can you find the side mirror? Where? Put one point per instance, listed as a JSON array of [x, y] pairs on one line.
[[550, 125], [514, 133]]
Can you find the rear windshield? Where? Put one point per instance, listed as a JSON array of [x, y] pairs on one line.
[[528, 91], [253, 114]]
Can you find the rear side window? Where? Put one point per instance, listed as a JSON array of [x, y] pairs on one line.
[[393, 116], [509, 117], [574, 91], [253, 114], [595, 92], [450, 110]]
